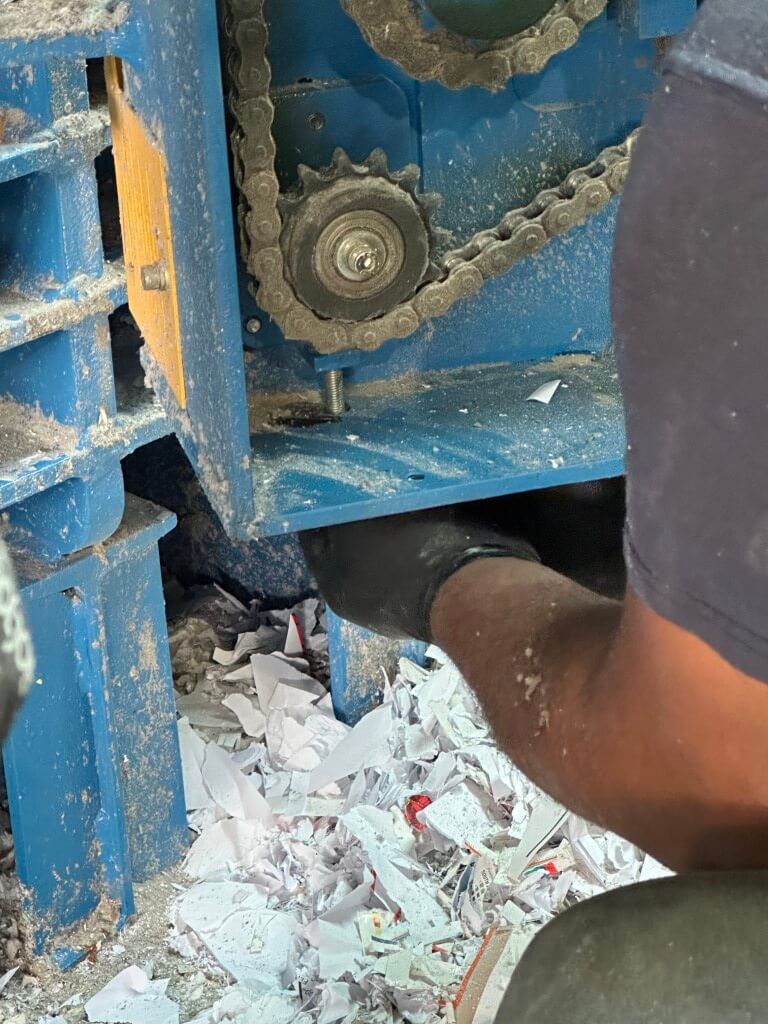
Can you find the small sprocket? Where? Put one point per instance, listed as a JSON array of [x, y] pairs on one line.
[[357, 238]]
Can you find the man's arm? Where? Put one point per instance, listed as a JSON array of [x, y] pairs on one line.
[[616, 712], [652, 722], [621, 715]]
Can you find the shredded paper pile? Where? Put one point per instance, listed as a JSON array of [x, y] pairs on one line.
[[353, 874]]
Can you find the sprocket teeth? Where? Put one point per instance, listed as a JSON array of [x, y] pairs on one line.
[[432, 273], [408, 178], [309, 177], [378, 163], [286, 201], [341, 162], [431, 201]]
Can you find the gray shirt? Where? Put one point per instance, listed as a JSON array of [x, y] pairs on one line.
[[690, 302]]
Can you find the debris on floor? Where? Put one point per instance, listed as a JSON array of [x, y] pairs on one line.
[[346, 874]]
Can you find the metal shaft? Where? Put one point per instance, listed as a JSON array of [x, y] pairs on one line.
[[333, 384]]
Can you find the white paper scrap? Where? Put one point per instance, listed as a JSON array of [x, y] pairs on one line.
[[366, 745], [237, 794], [192, 757], [335, 1002], [239, 1006], [413, 897], [651, 869], [546, 818], [460, 816], [250, 717], [131, 998], [269, 671], [5, 979], [245, 644], [294, 643], [225, 846], [340, 949], [231, 920], [545, 392]]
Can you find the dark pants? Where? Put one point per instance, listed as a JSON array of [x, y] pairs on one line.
[[685, 950]]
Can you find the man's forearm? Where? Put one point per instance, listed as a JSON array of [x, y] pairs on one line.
[[615, 728], [531, 642]]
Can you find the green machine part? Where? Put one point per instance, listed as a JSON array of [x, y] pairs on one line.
[[488, 19]]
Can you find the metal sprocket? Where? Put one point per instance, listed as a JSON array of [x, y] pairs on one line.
[[357, 237], [463, 271]]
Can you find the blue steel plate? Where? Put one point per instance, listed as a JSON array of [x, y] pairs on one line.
[[431, 439]]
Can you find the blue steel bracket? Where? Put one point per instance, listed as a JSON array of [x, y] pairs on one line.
[[96, 734], [182, 101], [455, 435], [65, 423]]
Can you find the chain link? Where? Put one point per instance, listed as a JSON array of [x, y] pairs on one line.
[[395, 30], [463, 271]]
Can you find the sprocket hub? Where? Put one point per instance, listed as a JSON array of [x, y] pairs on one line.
[[357, 238]]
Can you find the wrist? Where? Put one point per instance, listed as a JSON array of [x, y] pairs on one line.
[[466, 595]]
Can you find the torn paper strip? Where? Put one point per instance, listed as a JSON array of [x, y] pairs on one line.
[[545, 392], [232, 922], [131, 998]]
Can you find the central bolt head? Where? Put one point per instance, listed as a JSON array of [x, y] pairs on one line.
[[366, 262], [361, 255]]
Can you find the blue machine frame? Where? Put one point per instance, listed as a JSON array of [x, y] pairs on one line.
[[99, 725], [65, 428], [96, 734], [469, 144], [437, 418]]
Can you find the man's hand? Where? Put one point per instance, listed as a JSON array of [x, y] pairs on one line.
[[385, 574]]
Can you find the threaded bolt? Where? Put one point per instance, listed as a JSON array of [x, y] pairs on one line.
[[333, 389]]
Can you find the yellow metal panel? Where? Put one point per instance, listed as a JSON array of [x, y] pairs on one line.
[[145, 220]]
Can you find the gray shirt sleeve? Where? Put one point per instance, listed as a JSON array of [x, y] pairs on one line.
[[690, 306]]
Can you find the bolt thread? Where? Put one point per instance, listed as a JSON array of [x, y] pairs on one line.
[[334, 392]]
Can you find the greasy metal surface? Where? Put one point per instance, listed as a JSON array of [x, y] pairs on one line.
[[98, 730], [395, 29], [142, 186], [488, 254], [433, 439]]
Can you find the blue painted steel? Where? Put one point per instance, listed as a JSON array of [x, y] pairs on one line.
[[187, 112], [177, 89], [657, 18], [441, 438], [64, 428], [97, 733], [359, 661], [484, 154]]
